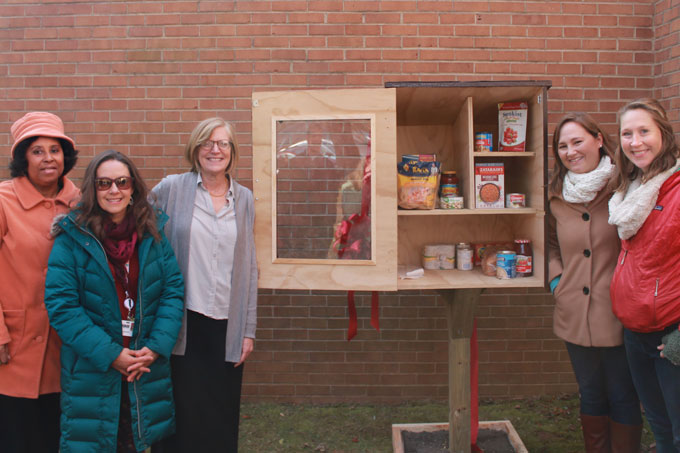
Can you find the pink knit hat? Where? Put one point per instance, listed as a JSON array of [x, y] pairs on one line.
[[37, 124]]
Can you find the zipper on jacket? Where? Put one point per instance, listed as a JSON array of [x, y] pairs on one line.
[[134, 384], [623, 258], [656, 293], [139, 332]]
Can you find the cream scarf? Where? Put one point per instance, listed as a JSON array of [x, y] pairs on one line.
[[584, 187], [629, 211]]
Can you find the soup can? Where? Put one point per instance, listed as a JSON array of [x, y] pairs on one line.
[[515, 200], [483, 142], [505, 264], [464, 257]]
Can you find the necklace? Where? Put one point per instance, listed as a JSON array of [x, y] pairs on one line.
[[219, 195]]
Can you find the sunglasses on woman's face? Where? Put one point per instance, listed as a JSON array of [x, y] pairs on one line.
[[124, 182]]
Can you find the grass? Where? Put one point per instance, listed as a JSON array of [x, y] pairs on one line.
[[545, 425]]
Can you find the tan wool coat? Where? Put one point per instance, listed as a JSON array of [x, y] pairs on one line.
[[583, 248], [25, 245]]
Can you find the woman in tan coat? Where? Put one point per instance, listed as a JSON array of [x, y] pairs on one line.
[[583, 249], [29, 349]]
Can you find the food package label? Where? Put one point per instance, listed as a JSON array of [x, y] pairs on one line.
[[489, 185], [512, 126], [417, 183]]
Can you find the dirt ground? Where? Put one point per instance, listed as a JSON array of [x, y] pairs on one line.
[[489, 440]]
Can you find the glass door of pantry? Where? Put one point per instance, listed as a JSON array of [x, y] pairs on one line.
[[325, 189]]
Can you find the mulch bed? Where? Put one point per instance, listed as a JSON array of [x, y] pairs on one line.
[[489, 440]]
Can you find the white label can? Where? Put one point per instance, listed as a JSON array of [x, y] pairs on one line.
[[464, 257]]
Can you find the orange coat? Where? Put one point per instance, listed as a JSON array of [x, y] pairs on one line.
[[25, 245]]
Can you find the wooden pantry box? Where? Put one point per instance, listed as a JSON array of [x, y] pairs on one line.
[[325, 183]]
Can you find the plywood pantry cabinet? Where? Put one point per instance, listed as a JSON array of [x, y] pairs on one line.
[[324, 164]]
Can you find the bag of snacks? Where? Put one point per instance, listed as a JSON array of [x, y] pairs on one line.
[[417, 183]]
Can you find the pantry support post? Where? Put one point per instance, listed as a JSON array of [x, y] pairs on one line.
[[460, 309]]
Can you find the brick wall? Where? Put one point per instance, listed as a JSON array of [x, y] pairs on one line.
[[138, 76], [667, 56]]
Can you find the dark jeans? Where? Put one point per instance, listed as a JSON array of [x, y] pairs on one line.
[[605, 383], [658, 383], [30, 425]]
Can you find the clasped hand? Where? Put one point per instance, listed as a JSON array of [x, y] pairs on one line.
[[133, 363]]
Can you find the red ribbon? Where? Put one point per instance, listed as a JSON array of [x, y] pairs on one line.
[[352, 311], [350, 242]]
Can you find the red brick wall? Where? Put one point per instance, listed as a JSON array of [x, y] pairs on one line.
[[667, 57], [138, 76]]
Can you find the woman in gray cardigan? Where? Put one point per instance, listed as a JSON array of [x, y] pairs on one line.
[[211, 232]]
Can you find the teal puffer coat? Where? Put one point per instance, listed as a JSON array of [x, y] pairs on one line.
[[82, 304]]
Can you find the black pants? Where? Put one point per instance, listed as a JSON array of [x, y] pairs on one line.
[[207, 391], [30, 425]]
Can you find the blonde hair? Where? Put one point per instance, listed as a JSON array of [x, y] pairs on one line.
[[201, 133]]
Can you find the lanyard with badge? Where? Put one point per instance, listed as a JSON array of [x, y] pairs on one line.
[[129, 304]]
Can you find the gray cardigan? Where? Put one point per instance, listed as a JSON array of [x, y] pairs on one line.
[[175, 194]]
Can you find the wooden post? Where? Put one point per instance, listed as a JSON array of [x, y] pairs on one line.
[[460, 309]]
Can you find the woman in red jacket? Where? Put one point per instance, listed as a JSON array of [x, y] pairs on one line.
[[645, 289]]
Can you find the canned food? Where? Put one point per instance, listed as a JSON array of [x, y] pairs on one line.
[[505, 264], [464, 257], [515, 200], [451, 202], [483, 142], [439, 256], [446, 201]]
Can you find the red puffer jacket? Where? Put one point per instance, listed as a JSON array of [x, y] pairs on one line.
[[645, 289]]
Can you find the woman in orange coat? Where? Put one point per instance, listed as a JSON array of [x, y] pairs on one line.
[[29, 349]]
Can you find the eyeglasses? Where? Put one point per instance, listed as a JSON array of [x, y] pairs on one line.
[[124, 182], [224, 145]]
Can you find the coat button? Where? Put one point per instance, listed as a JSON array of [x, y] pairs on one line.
[[586, 291], [38, 339], [585, 216], [586, 253], [47, 204]]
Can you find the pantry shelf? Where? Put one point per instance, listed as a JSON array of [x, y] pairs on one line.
[[438, 279], [504, 154], [438, 212]]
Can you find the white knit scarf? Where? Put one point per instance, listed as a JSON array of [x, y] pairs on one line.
[[584, 187], [629, 211]]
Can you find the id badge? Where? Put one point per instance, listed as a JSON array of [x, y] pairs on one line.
[[128, 325]]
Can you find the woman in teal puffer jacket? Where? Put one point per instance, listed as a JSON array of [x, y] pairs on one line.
[[114, 293]]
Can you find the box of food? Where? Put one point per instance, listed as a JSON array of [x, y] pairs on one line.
[[489, 185], [512, 126]]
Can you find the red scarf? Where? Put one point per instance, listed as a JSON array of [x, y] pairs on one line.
[[119, 243]]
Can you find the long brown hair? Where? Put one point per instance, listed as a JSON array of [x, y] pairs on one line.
[[590, 125], [627, 172], [91, 215]]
